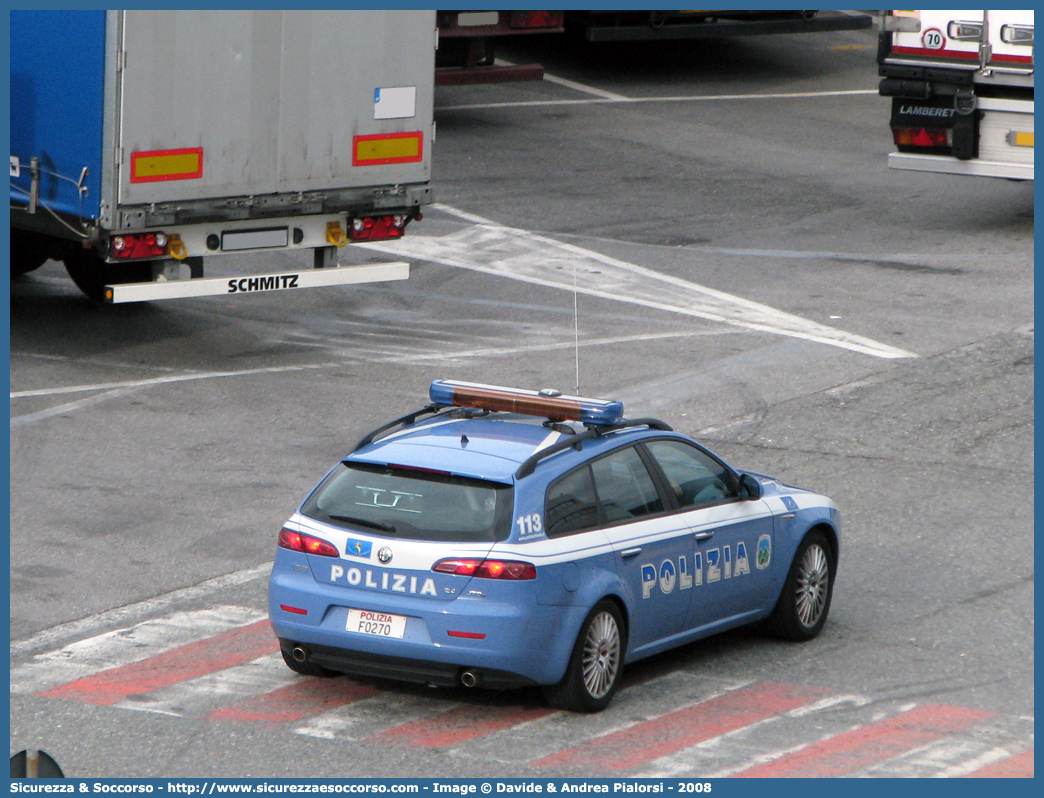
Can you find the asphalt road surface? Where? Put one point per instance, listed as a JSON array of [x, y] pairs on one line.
[[741, 263]]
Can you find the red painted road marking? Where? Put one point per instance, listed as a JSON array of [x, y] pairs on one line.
[[848, 752], [1019, 766], [459, 726], [225, 650], [666, 735], [295, 701]]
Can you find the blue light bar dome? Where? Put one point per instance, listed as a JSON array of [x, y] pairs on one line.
[[547, 403]]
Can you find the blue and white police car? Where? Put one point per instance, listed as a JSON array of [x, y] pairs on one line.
[[501, 537]]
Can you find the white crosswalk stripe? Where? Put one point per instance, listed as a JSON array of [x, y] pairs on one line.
[[681, 724], [124, 646]]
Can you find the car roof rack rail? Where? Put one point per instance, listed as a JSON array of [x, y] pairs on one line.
[[577, 441], [406, 421]]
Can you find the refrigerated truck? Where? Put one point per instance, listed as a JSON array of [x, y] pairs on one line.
[[147, 144], [961, 84], [468, 40], [620, 25]]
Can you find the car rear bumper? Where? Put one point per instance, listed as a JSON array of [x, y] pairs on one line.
[[440, 674]]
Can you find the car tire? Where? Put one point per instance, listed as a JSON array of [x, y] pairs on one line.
[[803, 605], [595, 664], [306, 668]]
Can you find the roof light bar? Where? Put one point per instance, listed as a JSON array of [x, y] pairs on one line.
[[546, 403]]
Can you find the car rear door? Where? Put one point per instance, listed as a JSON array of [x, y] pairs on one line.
[[653, 546]]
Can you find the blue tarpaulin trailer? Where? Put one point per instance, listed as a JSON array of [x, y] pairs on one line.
[[143, 142]]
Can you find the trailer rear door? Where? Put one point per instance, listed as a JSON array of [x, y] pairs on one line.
[[215, 104], [996, 39]]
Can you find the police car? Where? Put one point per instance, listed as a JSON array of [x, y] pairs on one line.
[[501, 537]]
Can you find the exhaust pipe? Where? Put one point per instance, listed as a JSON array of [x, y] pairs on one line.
[[299, 654], [469, 678]]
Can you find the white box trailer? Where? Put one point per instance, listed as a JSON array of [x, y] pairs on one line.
[[145, 142], [961, 84]]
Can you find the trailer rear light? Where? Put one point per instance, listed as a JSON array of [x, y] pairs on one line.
[[537, 19], [296, 541], [547, 403], [965, 31], [922, 137], [1017, 34], [377, 228], [487, 569], [138, 245]]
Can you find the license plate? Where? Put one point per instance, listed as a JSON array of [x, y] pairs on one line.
[[271, 238], [378, 624], [475, 19]]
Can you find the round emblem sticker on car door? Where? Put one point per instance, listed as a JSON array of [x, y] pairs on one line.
[[384, 555], [764, 552]]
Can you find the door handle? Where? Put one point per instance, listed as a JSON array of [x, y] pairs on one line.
[[705, 535], [631, 552]]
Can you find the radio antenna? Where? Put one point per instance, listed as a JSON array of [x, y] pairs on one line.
[[576, 330]]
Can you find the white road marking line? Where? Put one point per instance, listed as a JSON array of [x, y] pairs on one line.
[[132, 612], [69, 407], [569, 84], [368, 717], [496, 249], [639, 100], [206, 375], [94, 361], [501, 351], [720, 748], [196, 697], [945, 758], [124, 646], [572, 84], [987, 757]]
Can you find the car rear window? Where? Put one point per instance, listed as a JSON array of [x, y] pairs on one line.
[[400, 502]]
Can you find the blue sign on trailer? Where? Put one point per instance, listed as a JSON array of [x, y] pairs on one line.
[[57, 105]]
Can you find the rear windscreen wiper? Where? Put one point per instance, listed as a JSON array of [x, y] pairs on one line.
[[363, 522]]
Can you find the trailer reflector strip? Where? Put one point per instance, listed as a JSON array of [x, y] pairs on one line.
[[256, 283], [156, 165], [963, 55], [1019, 139], [388, 148]]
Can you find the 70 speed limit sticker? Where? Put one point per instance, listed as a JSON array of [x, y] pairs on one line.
[[933, 39]]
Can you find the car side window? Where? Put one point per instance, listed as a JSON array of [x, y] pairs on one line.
[[696, 478], [571, 504], [624, 486]]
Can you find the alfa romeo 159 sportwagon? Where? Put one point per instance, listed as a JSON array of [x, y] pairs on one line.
[[501, 537]]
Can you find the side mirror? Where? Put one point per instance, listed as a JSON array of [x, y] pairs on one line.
[[750, 488]]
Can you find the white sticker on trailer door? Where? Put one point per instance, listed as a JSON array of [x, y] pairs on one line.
[[395, 103]]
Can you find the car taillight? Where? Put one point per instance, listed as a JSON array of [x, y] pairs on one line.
[[537, 19], [138, 245], [487, 569], [921, 137], [296, 541], [376, 228]]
